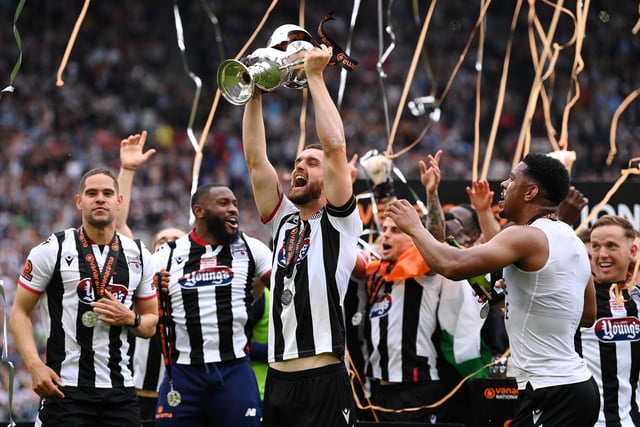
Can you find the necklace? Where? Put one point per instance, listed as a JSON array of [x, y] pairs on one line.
[[545, 214]]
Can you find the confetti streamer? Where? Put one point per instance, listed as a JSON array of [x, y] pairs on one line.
[[72, 40], [623, 177], [501, 93], [16, 35], [343, 72], [614, 124], [197, 160], [198, 83]]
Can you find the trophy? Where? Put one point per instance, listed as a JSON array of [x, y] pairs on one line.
[[277, 65]]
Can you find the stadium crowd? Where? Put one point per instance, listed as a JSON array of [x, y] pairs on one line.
[[125, 74]]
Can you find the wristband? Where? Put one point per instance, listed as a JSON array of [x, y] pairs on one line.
[[136, 322]]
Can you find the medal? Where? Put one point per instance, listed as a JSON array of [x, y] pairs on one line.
[[89, 319], [484, 310], [286, 297], [173, 398], [356, 319]]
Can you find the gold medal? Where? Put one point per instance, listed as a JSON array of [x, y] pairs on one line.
[[89, 319], [173, 398]]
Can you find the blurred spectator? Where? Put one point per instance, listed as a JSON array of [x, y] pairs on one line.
[[125, 73]]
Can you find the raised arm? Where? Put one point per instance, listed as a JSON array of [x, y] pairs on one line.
[[337, 178], [523, 246], [264, 178], [481, 197], [430, 178], [131, 156]]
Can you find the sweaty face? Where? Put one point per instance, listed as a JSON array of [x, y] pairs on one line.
[[393, 242], [99, 202], [306, 179], [611, 253]]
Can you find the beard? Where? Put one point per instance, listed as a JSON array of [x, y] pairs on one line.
[[99, 222], [218, 228], [312, 192]]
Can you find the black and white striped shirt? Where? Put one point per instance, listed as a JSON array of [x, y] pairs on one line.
[[83, 356], [400, 325], [311, 271], [611, 348], [210, 294]]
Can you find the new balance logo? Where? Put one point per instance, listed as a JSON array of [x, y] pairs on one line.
[[251, 412]]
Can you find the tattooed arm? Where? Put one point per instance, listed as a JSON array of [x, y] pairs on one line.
[[430, 178]]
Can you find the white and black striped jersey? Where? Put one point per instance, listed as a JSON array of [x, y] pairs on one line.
[[611, 348], [210, 295], [83, 356], [148, 365], [401, 323], [309, 281]]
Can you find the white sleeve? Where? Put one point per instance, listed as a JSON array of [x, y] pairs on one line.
[[145, 289], [261, 255], [38, 269]]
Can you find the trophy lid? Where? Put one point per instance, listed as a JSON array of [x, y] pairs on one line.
[[290, 38]]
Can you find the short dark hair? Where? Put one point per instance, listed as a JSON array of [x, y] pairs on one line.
[[200, 191], [550, 174], [314, 145], [98, 171]]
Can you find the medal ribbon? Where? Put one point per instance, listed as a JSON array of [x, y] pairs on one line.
[[294, 243], [166, 328], [100, 279], [376, 280], [339, 56]]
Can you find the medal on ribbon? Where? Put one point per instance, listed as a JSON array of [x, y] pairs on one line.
[[89, 319], [286, 297], [173, 397], [99, 279]]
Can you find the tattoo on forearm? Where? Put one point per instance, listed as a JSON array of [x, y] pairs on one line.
[[435, 218]]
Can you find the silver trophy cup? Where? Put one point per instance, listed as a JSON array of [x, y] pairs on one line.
[[279, 64]]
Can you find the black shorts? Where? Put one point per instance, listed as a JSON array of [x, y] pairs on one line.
[[407, 395], [83, 406], [575, 405], [310, 398]]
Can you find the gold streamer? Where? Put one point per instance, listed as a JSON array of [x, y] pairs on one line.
[[524, 139], [479, 61], [623, 176], [446, 89], [501, 93], [614, 124], [408, 81], [72, 40], [197, 160]]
